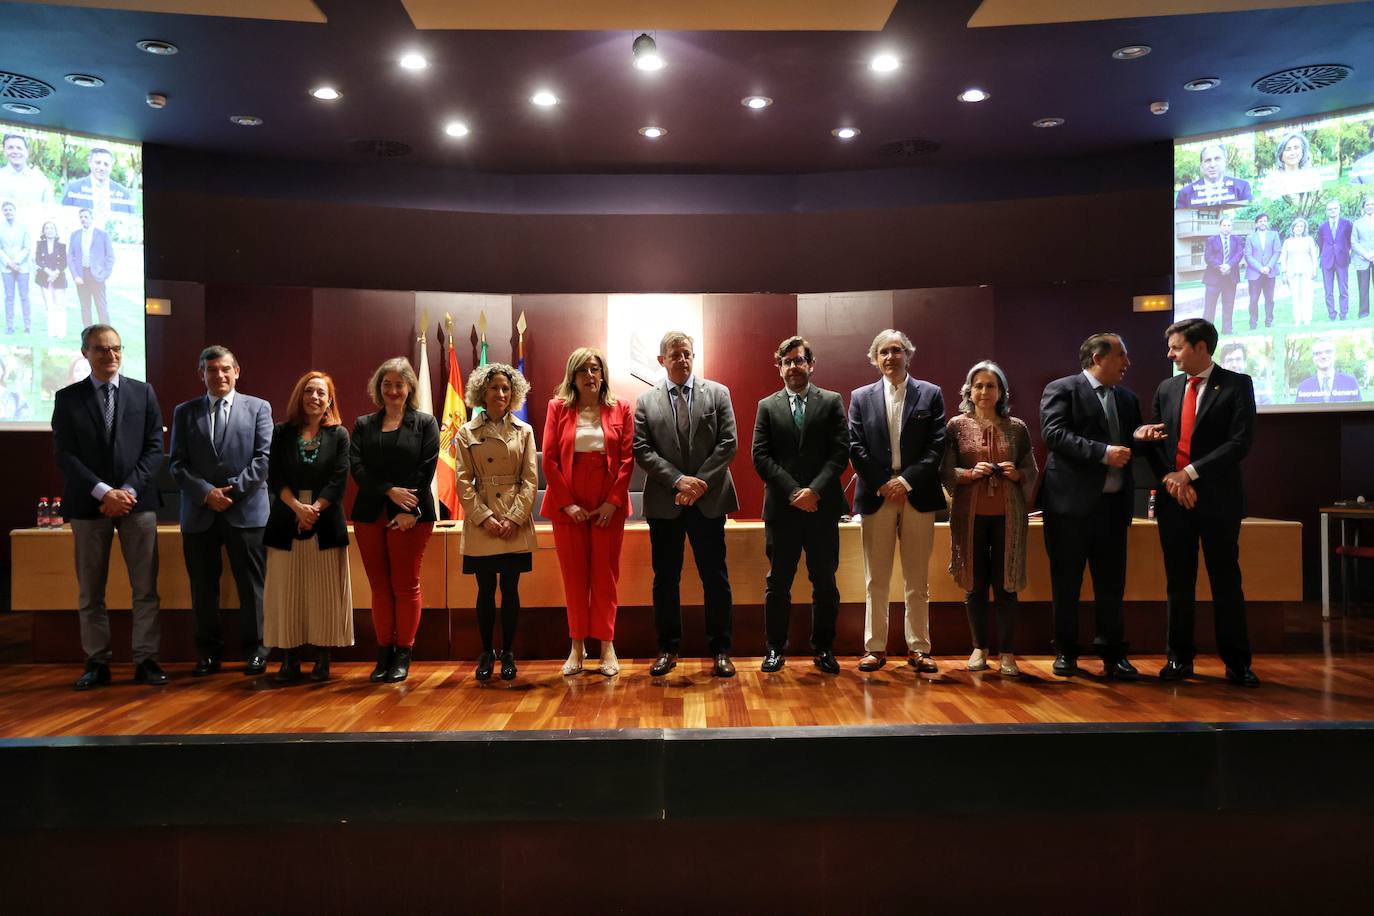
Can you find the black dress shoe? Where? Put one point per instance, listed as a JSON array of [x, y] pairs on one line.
[[148, 672], [1175, 670], [321, 670], [1065, 665], [484, 663], [666, 662], [400, 665], [290, 669], [95, 675], [1121, 670], [257, 664], [773, 661], [205, 666], [1242, 677], [508, 665], [384, 654], [724, 667], [825, 660]]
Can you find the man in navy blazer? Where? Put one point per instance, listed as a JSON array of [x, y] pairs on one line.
[[1087, 420], [896, 441], [107, 439], [1333, 241], [1262, 248], [1204, 426], [220, 446], [91, 259], [1223, 254], [1326, 385]]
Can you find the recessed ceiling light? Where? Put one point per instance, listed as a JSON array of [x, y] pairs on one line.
[[246, 120], [1202, 85], [456, 129], [974, 95], [645, 51], [1131, 52], [845, 133], [1048, 122], [756, 102], [544, 99], [326, 93], [1263, 111], [84, 80], [884, 63], [413, 61], [653, 133], [157, 46], [20, 108]]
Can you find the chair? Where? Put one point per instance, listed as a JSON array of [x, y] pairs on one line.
[[1348, 554]]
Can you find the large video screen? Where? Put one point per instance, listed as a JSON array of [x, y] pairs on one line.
[[71, 254], [1273, 240]]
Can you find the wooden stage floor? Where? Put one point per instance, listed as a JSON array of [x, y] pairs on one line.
[[36, 701]]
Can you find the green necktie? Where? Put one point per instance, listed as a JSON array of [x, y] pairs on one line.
[[798, 413]]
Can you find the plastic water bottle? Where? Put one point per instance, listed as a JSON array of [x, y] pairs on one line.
[[55, 513], [1150, 507], [43, 515]]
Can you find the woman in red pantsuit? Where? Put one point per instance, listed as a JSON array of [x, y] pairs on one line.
[[588, 459]]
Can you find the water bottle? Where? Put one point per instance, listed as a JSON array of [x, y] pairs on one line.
[[43, 520], [55, 513], [1150, 507]]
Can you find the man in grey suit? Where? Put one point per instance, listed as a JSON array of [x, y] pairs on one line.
[[685, 440], [220, 444], [1362, 253], [801, 447], [1261, 267], [91, 258]]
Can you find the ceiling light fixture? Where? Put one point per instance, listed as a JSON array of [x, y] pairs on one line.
[[756, 102], [1131, 52], [413, 60], [21, 108], [157, 46], [456, 129], [326, 93], [653, 133], [845, 133], [246, 120], [884, 63], [544, 99], [974, 95], [1048, 122], [1202, 85], [84, 80], [645, 51], [1262, 111]]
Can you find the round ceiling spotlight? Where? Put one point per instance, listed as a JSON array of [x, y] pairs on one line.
[[1262, 111], [326, 93], [1048, 122], [653, 133], [246, 120], [845, 133], [413, 60], [456, 129], [645, 51], [1131, 52], [544, 99], [84, 80], [884, 63], [21, 108], [974, 95], [157, 46], [756, 102], [1202, 85]]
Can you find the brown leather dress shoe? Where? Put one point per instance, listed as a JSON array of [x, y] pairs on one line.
[[723, 667], [922, 662], [872, 661]]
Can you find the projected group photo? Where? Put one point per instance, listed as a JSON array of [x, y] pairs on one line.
[[71, 254], [1273, 241]]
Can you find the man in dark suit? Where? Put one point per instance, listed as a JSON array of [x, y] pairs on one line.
[[220, 445], [91, 259], [801, 447], [107, 439], [896, 442], [1204, 424], [1333, 241], [1214, 188], [1327, 386], [1087, 420], [685, 440], [1223, 254], [1262, 249]]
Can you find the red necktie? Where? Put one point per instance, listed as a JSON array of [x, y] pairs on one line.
[[1185, 425]]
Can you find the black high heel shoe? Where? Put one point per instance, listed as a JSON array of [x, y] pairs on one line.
[[508, 665], [384, 654], [290, 669], [321, 670], [400, 665], [484, 663]]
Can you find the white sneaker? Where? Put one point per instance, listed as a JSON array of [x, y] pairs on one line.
[[1009, 668], [610, 665], [574, 663], [978, 661]]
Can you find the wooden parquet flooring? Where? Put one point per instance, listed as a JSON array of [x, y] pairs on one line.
[[37, 700]]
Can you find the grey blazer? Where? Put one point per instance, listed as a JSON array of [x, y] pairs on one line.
[[711, 447], [197, 468]]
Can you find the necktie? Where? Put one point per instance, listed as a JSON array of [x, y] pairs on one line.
[[108, 390], [1185, 425], [1225, 248], [798, 411], [1326, 387], [1109, 407], [684, 422], [220, 423]]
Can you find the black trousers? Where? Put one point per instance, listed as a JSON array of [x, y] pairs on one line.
[[1226, 292], [989, 570], [205, 566], [1180, 532], [1099, 541], [707, 535], [785, 540], [1262, 286]]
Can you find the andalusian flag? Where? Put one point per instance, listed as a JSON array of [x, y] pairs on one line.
[[455, 415], [524, 411]]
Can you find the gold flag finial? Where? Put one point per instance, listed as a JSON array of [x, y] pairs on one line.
[[482, 323], [521, 325], [424, 324]]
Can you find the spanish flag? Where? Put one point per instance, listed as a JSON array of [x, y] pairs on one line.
[[455, 415]]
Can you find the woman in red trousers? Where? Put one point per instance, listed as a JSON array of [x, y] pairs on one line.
[[588, 458]]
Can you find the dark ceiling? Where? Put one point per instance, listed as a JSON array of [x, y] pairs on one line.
[[820, 80]]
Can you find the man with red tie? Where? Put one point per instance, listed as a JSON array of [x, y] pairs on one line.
[[1204, 424]]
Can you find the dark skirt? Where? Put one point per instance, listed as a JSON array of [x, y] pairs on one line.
[[499, 563]]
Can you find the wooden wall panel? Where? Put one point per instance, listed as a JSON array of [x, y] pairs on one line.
[[557, 325]]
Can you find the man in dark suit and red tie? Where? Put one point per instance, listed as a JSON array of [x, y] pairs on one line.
[[1204, 425], [1333, 241], [1262, 248], [1223, 254]]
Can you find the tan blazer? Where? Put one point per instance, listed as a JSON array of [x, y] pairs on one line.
[[497, 475]]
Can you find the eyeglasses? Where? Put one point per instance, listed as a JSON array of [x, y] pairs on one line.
[[797, 361], [108, 351]]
